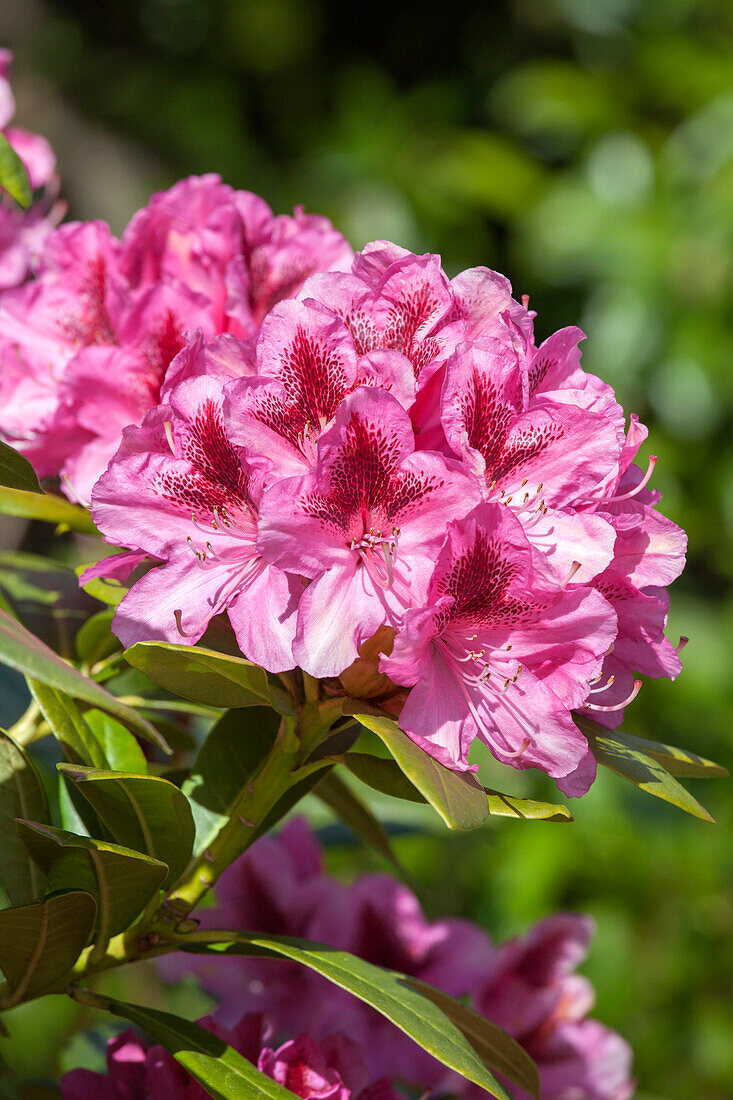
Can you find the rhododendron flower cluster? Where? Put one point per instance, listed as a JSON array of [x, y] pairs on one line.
[[85, 346], [527, 986], [333, 1069], [22, 232], [393, 452]]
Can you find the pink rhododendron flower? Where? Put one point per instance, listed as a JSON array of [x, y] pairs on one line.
[[22, 232], [333, 1069], [533, 993], [84, 349], [496, 654], [182, 492], [363, 524]]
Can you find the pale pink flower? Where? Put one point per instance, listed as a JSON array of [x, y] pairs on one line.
[[495, 653], [179, 490], [363, 524], [22, 232]]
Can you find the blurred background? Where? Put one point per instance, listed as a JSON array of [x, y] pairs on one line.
[[584, 148]]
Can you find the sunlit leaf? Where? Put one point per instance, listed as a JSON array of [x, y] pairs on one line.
[[16, 471], [21, 795], [22, 651], [121, 751], [95, 639], [457, 796], [40, 943], [641, 769], [68, 725], [121, 881], [679, 762], [528, 809], [494, 1046], [44, 506], [142, 812], [204, 676]]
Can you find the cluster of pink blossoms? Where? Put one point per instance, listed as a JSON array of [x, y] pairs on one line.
[[333, 1069], [22, 232], [394, 451], [324, 454], [527, 986]]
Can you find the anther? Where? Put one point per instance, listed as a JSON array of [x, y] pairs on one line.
[[681, 644], [168, 429]]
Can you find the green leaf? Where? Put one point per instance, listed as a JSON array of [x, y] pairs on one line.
[[95, 639], [494, 1046], [142, 812], [44, 595], [223, 1072], [21, 795], [385, 990], [121, 881], [204, 676], [382, 775], [509, 805], [40, 943], [121, 751], [16, 471], [353, 812], [641, 769], [457, 796], [13, 176], [385, 776], [236, 747], [679, 762], [68, 725], [45, 506], [22, 651]]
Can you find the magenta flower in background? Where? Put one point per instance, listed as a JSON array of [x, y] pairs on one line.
[[22, 232], [528, 985], [333, 1069]]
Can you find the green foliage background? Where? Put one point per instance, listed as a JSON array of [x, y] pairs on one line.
[[585, 148]]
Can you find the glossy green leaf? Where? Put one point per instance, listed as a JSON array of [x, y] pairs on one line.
[[457, 796], [40, 943], [353, 812], [21, 650], [68, 725], [385, 990], [528, 809], [494, 1046], [639, 768], [21, 795], [44, 595], [121, 881], [204, 676], [678, 762], [13, 176], [142, 812], [16, 471], [45, 506], [236, 747], [95, 639], [121, 751], [224, 1073]]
